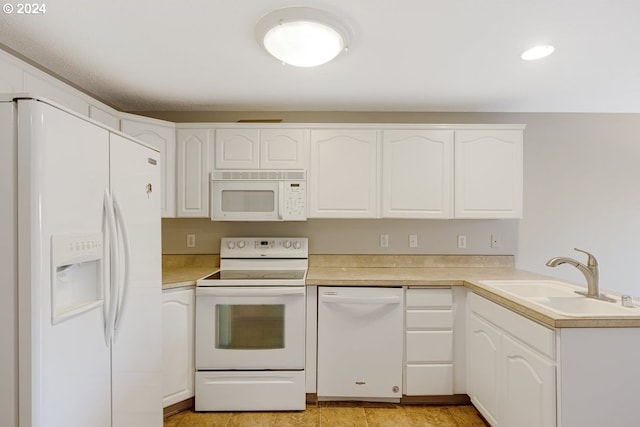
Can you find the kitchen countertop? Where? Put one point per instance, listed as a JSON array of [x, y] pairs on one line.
[[419, 271]]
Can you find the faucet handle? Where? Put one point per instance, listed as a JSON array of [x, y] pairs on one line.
[[591, 261]]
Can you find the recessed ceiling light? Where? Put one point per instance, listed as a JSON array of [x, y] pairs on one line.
[[537, 52], [302, 36]]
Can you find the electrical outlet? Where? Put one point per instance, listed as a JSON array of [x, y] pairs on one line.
[[191, 240], [384, 240], [495, 241], [462, 241], [413, 240]]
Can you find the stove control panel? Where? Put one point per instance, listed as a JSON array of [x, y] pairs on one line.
[[264, 247]]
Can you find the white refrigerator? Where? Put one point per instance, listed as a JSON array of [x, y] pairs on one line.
[[80, 265]]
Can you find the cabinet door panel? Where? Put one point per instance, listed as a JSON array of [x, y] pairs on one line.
[[484, 368], [282, 149], [429, 380], [343, 174], [417, 173], [429, 346], [237, 149], [488, 174], [192, 193], [529, 385], [178, 345]]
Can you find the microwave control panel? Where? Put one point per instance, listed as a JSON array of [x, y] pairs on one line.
[[295, 201]]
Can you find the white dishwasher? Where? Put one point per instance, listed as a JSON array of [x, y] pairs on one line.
[[360, 341]]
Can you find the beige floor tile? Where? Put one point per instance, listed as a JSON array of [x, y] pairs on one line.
[[430, 416], [308, 418], [467, 416], [252, 419], [174, 420], [342, 417], [202, 419], [386, 417]]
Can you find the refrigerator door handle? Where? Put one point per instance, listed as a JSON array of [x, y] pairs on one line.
[[110, 291], [123, 290]]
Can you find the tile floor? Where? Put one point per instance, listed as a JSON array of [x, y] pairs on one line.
[[337, 415]]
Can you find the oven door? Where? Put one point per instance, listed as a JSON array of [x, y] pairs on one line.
[[250, 328], [246, 200]]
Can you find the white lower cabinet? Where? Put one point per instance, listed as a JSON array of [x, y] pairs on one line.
[[512, 367], [178, 322], [428, 342], [360, 342]]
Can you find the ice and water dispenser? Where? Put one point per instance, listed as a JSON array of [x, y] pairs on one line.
[[76, 267]]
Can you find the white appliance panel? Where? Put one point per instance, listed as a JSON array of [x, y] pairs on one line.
[[211, 356], [360, 341], [250, 391], [137, 369], [59, 194]]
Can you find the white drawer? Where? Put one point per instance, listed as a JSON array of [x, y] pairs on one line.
[[429, 380], [535, 335], [429, 346], [438, 297], [430, 319]]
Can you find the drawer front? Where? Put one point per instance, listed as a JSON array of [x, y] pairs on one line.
[[429, 346], [534, 334], [439, 297], [429, 380], [430, 319]]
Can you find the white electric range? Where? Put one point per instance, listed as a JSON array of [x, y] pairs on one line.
[[250, 327]]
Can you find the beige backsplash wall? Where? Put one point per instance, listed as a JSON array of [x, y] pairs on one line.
[[350, 236]]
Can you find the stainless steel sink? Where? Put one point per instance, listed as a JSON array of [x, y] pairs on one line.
[[561, 298]]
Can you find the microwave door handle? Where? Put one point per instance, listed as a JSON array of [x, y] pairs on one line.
[[281, 200]]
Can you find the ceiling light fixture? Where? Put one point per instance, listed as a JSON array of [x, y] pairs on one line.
[[302, 36], [537, 52]]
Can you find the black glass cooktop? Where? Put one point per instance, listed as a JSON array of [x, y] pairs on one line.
[[256, 275]]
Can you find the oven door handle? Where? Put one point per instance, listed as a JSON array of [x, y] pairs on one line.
[[249, 292]]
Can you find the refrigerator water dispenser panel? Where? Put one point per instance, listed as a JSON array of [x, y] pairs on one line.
[[76, 265]]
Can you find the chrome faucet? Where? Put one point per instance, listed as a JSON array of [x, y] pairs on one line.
[[590, 272]]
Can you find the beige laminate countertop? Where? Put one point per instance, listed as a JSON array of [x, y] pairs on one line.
[[426, 271]]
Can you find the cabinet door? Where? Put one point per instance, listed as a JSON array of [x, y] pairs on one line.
[[343, 174], [237, 149], [192, 181], [529, 387], [417, 168], [163, 138], [484, 368], [282, 149], [178, 311], [488, 174]]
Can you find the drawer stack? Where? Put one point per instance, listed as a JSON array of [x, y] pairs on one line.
[[429, 342]]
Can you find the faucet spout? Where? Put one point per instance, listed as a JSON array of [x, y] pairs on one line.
[[590, 272]]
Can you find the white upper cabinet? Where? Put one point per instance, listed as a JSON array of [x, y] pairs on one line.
[[260, 149], [192, 172], [488, 173], [56, 91], [237, 149], [343, 173], [161, 136], [11, 77], [108, 118], [417, 172], [282, 149]]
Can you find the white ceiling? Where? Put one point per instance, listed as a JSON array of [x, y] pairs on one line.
[[406, 55]]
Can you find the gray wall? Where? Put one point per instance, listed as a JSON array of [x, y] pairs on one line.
[[580, 190]]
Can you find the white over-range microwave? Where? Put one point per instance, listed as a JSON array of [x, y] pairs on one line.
[[258, 195]]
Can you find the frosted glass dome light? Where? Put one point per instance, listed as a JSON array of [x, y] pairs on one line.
[[302, 36], [537, 52]]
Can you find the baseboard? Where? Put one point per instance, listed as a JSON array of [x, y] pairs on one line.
[[452, 399], [312, 399], [179, 407]]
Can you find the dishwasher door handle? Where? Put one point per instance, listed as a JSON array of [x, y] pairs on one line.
[[337, 299]]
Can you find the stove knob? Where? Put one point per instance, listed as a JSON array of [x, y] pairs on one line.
[[242, 244], [297, 245], [231, 245], [287, 244]]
